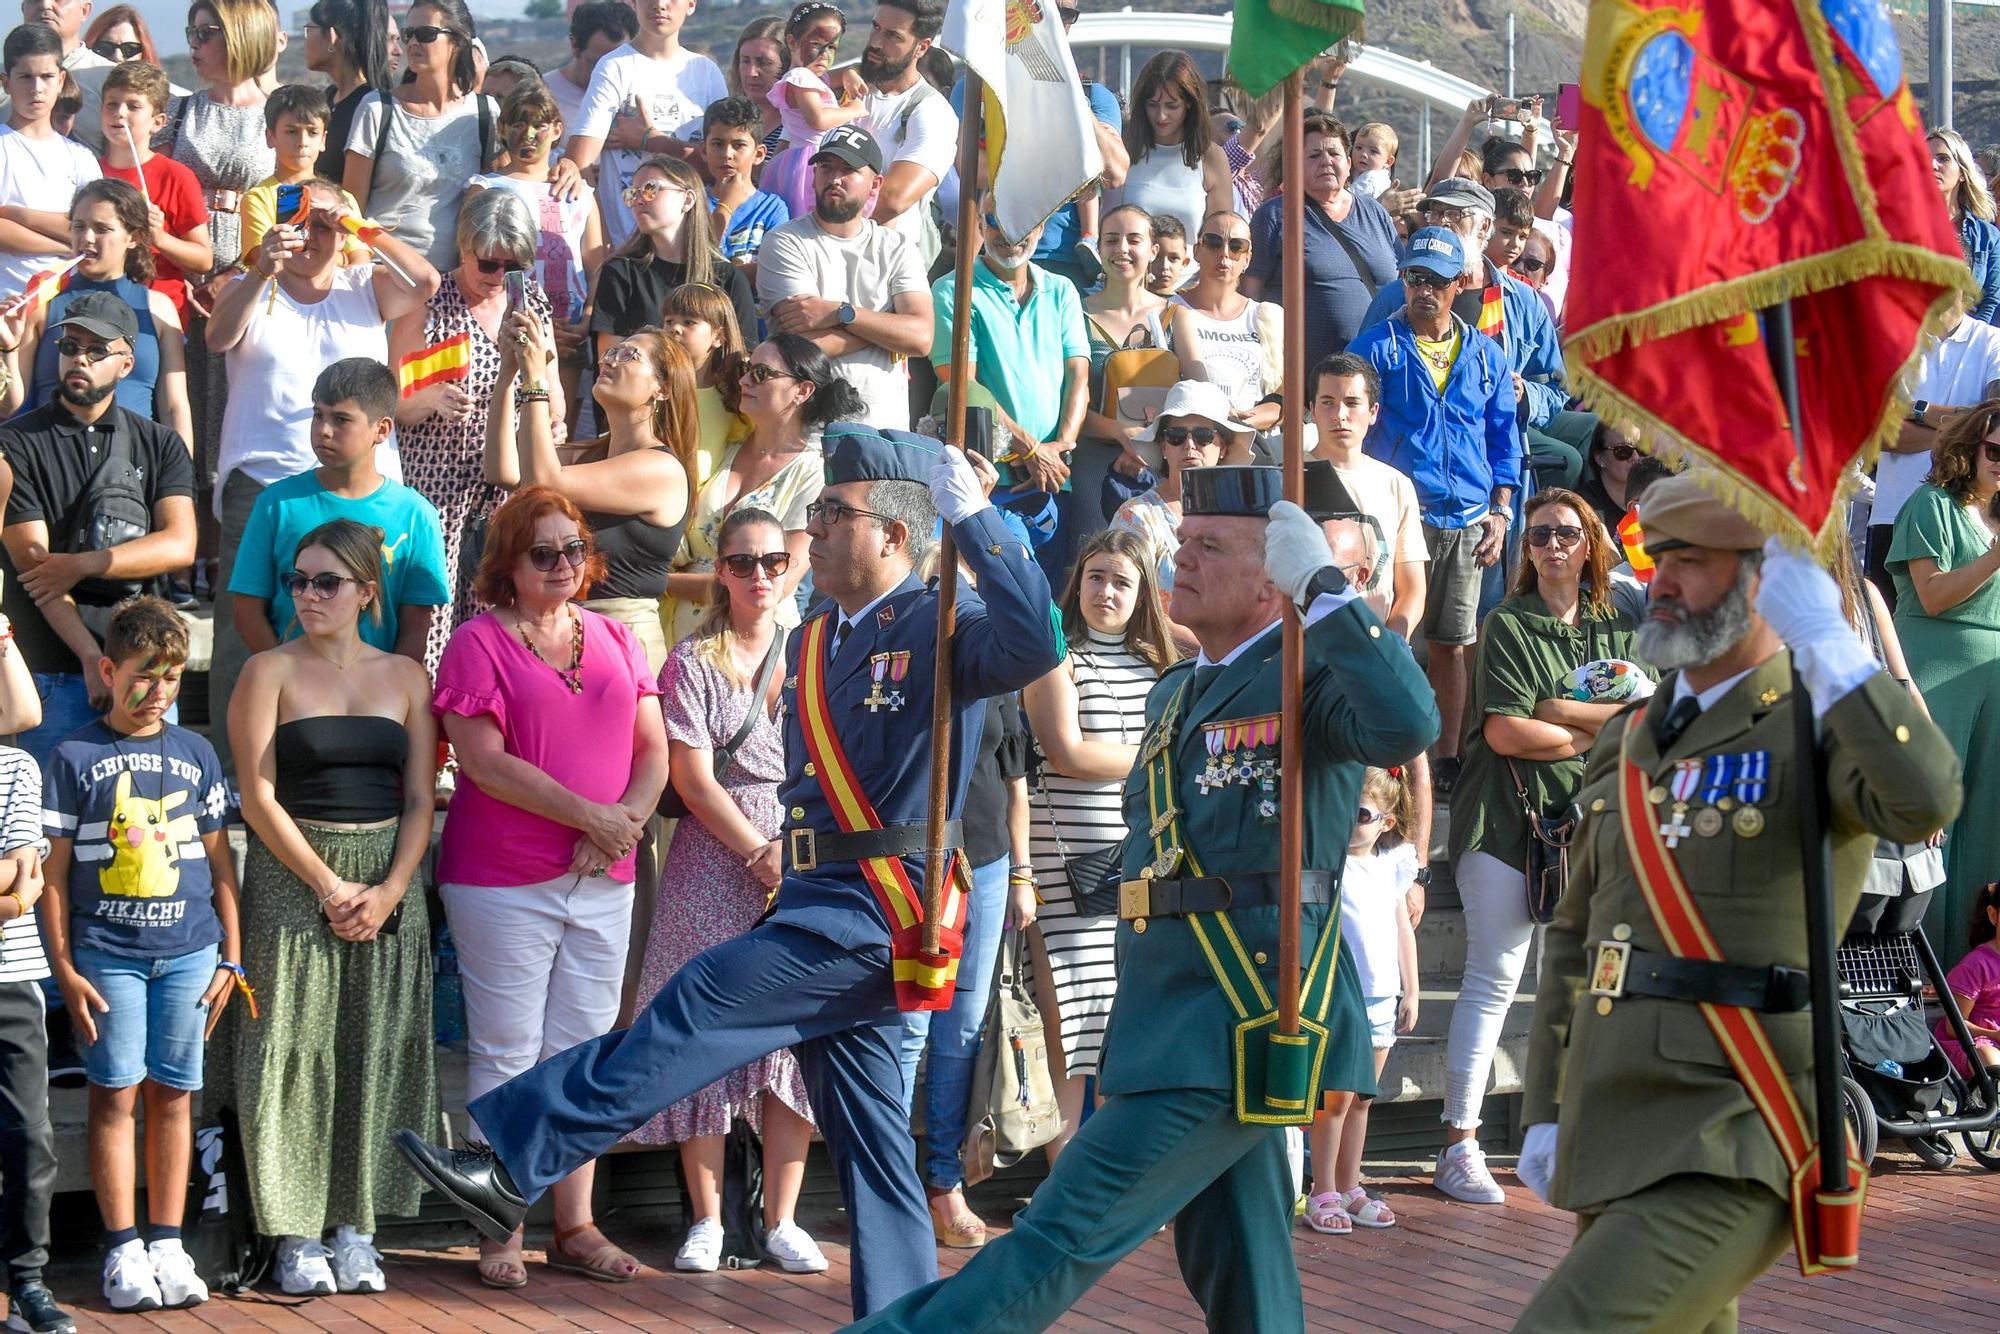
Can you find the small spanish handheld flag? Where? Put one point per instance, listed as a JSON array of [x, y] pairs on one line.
[[1633, 539], [437, 364], [45, 286]]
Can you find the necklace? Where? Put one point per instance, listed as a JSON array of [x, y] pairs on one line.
[[572, 676], [336, 665], [1440, 359]]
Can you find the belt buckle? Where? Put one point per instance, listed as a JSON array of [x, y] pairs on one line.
[[1134, 899], [804, 850], [1607, 974]]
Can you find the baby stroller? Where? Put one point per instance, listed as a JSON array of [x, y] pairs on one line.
[[1897, 1081]]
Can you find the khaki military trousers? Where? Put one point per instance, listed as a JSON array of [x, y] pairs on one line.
[[1672, 1258]]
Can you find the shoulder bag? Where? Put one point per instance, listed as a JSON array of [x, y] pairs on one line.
[[1548, 852], [672, 806], [1014, 1110], [1092, 879]]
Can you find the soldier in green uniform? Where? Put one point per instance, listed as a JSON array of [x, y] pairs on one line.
[[1682, 933], [1199, 1082]]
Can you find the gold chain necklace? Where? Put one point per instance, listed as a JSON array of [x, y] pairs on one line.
[[573, 675]]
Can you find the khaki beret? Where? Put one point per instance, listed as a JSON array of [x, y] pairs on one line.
[[1680, 512]]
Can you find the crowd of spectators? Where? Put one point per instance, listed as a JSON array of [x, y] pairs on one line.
[[483, 405]]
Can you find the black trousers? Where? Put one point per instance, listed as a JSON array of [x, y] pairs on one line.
[[27, 1140], [1877, 564]]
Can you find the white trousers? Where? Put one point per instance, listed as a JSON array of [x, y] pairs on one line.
[[543, 968], [1498, 933]]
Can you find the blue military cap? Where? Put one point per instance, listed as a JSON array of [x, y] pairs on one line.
[[1236, 489], [858, 452]]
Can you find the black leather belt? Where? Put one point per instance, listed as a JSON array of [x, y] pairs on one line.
[[1213, 893], [1620, 970], [808, 849]]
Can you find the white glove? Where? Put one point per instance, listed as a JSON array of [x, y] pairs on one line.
[[1800, 601], [955, 488], [1294, 550], [1538, 1159]]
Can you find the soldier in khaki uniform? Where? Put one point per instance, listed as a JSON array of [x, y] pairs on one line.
[[1637, 1120]]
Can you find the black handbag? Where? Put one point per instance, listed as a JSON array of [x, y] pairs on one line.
[[1092, 877], [1548, 852], [672, 806]]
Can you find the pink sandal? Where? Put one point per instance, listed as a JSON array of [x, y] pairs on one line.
[[1326, 1213], [1366, 1211]]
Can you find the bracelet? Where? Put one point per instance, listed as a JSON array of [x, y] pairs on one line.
[[523, 397], [20, 906], [242, 979]]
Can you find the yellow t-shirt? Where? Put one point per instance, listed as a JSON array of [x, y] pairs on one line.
[[1438, 355], [260, 211]]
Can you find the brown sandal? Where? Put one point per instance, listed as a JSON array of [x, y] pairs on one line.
[[503, 1269], [961, 1230], [607, 1264]]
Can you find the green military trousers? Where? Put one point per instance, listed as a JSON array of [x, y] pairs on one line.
[[1140, 1161], [1671, 1258]]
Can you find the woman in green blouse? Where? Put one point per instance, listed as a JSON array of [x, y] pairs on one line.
[[1943, 556], [1522, 721]]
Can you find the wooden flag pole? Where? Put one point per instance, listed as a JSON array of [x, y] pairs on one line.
[[937, 864], [1291, 754]]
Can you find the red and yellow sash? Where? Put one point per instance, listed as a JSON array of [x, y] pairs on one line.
[[923, 982], [1827, 1235]]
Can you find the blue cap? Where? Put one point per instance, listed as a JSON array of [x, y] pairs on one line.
[[857, 452], [1436, 250]]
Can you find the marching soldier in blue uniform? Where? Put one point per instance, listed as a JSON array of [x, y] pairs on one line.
[[829, 971], [1199, 1082]]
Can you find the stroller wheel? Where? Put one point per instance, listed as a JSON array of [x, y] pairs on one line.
[[1935, 1151], [1983, 1145], [1860, 1119]]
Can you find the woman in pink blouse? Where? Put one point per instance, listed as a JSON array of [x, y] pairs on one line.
[[555, 720]]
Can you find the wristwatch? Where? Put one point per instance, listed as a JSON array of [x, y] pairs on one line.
[[1424, 876], [1326, 579], [843, 314], [1918, 407]]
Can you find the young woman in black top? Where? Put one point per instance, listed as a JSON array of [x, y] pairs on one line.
[[675, 244]]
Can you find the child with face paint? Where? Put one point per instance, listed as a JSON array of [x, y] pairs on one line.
[[140, 922]]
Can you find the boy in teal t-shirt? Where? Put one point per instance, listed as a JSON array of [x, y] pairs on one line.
[[354, 404]]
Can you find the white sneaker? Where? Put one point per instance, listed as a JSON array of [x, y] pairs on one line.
[[357, 1265], [794, 1250], [1461, 1174], [702, 1251], [302, 1268], [129, 1284], [173, 1269]]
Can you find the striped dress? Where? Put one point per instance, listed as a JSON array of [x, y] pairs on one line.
[[1111, 686]]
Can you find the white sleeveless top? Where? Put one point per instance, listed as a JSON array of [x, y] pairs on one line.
[[1161, 182]]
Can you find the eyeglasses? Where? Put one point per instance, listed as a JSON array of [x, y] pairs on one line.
[[323, 585], [1369, 815], [426, 33], [1517, 177], [1446, 215], [1531, 263], [88, 353], [1623, 453], [1565, 534], [1425, 278], [544, 557], [773, 563], [111, 50], [201, 36], [832, 513], [619, 355], [647, 193], [1176, 436], [1990, 450], [492, 266], [1235, 245], [759, 373]]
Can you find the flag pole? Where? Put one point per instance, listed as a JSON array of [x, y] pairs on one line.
[[1822, 932], [937, 864], [1291, 754]]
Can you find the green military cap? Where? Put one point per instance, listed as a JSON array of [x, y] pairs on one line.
[[1244, 490], [1680, 512]]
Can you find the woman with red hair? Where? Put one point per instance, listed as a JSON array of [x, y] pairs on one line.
[[555, 720], [120, 34]]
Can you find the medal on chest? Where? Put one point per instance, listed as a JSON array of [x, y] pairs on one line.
[[886, 669], [1686, 780], [1241, 753]]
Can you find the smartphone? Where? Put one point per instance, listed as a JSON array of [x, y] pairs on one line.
[[979, 432], [517, 290], [1569, 105], [291, 202], [1503, 108]]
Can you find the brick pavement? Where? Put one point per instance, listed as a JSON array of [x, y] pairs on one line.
[[1928, 1264]]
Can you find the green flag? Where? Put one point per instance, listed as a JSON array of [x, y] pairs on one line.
[[1271, 38]]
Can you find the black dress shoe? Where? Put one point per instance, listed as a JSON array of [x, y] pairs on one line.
[[31, 1309], [472, 1179]]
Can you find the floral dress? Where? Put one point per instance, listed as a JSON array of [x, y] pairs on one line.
[[446, 460], [706, 895]]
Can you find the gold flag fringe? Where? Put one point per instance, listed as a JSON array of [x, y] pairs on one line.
[[1336, 19]]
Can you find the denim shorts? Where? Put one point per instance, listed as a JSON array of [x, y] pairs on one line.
[[1381, 1020], [155, 1026]]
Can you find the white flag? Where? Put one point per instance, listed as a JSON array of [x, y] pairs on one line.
[[1019, 48]]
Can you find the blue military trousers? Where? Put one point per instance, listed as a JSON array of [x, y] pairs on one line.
[[1141, 1160], [774, 986]]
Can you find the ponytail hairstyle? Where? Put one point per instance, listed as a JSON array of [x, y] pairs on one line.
[[712, 306], [130, 207], [1983, 928], [1391, 787]]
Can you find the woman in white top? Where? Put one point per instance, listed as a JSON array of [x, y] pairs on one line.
[[410, 172], [1177, 167], [1237, 343], [1120, 315]]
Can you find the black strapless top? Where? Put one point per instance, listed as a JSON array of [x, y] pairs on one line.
[[342, 769]]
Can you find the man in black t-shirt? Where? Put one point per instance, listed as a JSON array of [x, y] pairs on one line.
[[103, 502]]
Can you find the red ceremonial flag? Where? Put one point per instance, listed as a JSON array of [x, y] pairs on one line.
[[1734, 154]]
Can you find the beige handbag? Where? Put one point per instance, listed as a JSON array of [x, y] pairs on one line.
[[1013, 1109]]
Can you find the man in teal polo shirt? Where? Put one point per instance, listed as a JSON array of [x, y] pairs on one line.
[[1021, 313]]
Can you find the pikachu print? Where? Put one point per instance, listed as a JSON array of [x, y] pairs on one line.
[[145, 841]]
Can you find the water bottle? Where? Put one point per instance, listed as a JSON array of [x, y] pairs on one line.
[[1893, 1069]]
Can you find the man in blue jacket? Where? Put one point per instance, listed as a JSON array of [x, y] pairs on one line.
[[1448, 423]]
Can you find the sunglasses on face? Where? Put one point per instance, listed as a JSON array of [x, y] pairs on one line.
[[646, 193], [619, 355], [1235, 245], [1425, 278], [111, 50], [1176, 436], [1517, 177], [1531, 263], [1369, 815], [88, 353], [426, 33], [773, 563], [201, 36], [1623, 453], [759, 373], [489, 267], [1991, 450], [832, 513], [323, 585], [1541, 534], [545, 558]]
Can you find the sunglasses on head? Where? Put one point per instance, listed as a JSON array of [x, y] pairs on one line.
[[1176, 436], [774, 563], [544, 557], [87, 353], [493, 266], [1235, 245], [1541, 534], [323, 585], [1517, 177], [1425, 278], [759, 373], [111, 50], [1990, 450], [1531, 263], [426, 33]]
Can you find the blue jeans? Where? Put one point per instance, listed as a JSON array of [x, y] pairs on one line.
[[154, 1028], [65, 707], [953, 1035]]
